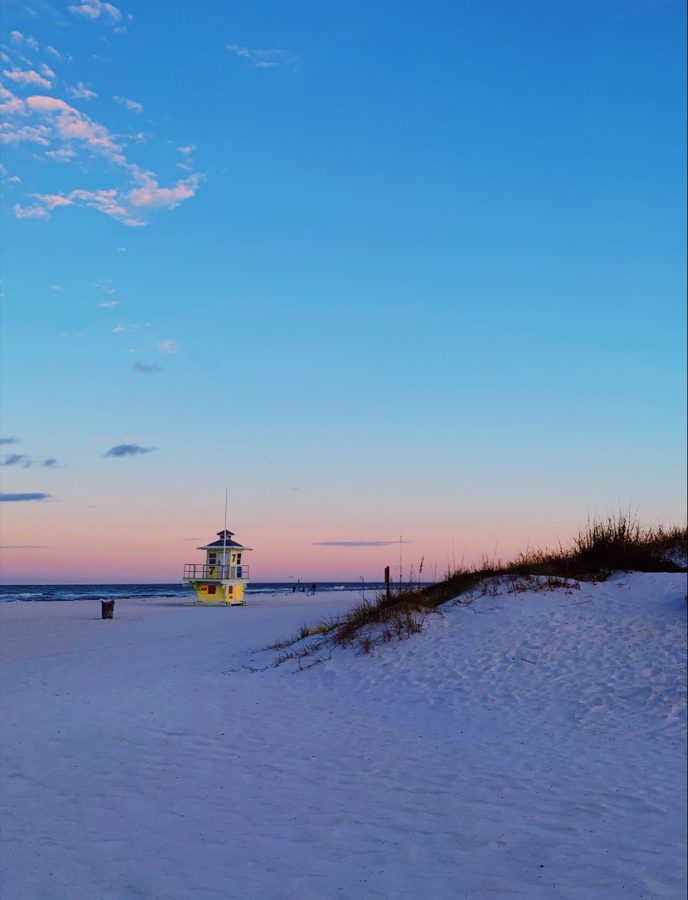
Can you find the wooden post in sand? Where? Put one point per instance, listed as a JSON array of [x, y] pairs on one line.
[[387, 580]]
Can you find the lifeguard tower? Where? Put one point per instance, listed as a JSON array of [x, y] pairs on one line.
[[223, 578]]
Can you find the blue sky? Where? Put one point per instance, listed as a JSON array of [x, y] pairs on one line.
[[377, 269]]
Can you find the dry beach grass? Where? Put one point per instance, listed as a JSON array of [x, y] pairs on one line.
[[618, 543]]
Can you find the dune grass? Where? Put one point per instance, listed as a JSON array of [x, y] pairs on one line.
[[617, 543]]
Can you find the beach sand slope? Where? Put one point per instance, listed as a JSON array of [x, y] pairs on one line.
[[528, 746]]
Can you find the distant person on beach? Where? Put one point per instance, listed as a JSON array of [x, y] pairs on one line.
[[293, 588], [314, 588]]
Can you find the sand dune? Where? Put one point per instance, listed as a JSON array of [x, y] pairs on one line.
[[528, 745]]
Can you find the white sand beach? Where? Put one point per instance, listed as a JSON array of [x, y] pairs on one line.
[[528, 746]]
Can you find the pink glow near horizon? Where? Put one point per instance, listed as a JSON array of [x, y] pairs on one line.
[[159, 555]]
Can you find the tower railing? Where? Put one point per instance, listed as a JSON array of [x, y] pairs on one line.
[[198, 572]]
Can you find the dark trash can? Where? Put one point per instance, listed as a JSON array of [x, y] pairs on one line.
[[107, 609]]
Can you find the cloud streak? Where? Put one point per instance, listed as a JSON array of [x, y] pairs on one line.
[[357, 544], [23, 546], [24, 498], [262, 59], [27, 462], [15, 459], [128, 450], [131, 105]]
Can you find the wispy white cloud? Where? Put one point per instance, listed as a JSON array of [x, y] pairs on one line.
[[57, 288], [262, 59], [94, 9], [108, 304], [27, 40], [30, 212], [64, 154], [58, 55], [131, 105], [166, 346], [186, 165], [105, 286], [13, 179], [81, 91]]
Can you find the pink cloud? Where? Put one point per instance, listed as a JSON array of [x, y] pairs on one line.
[[84, 129], [39, 102], [15, 134], [152, 196], [107, 201], [12, 105], [65, 127], [94, 9], [73, 125], [26, 76], [30, 212], [54, 200]]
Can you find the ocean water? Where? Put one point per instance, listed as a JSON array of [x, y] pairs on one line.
[[32, 593]]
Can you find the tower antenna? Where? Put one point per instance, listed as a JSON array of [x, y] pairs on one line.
[[224, 539]]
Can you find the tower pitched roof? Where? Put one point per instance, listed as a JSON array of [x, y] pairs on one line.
[[225, 540]]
